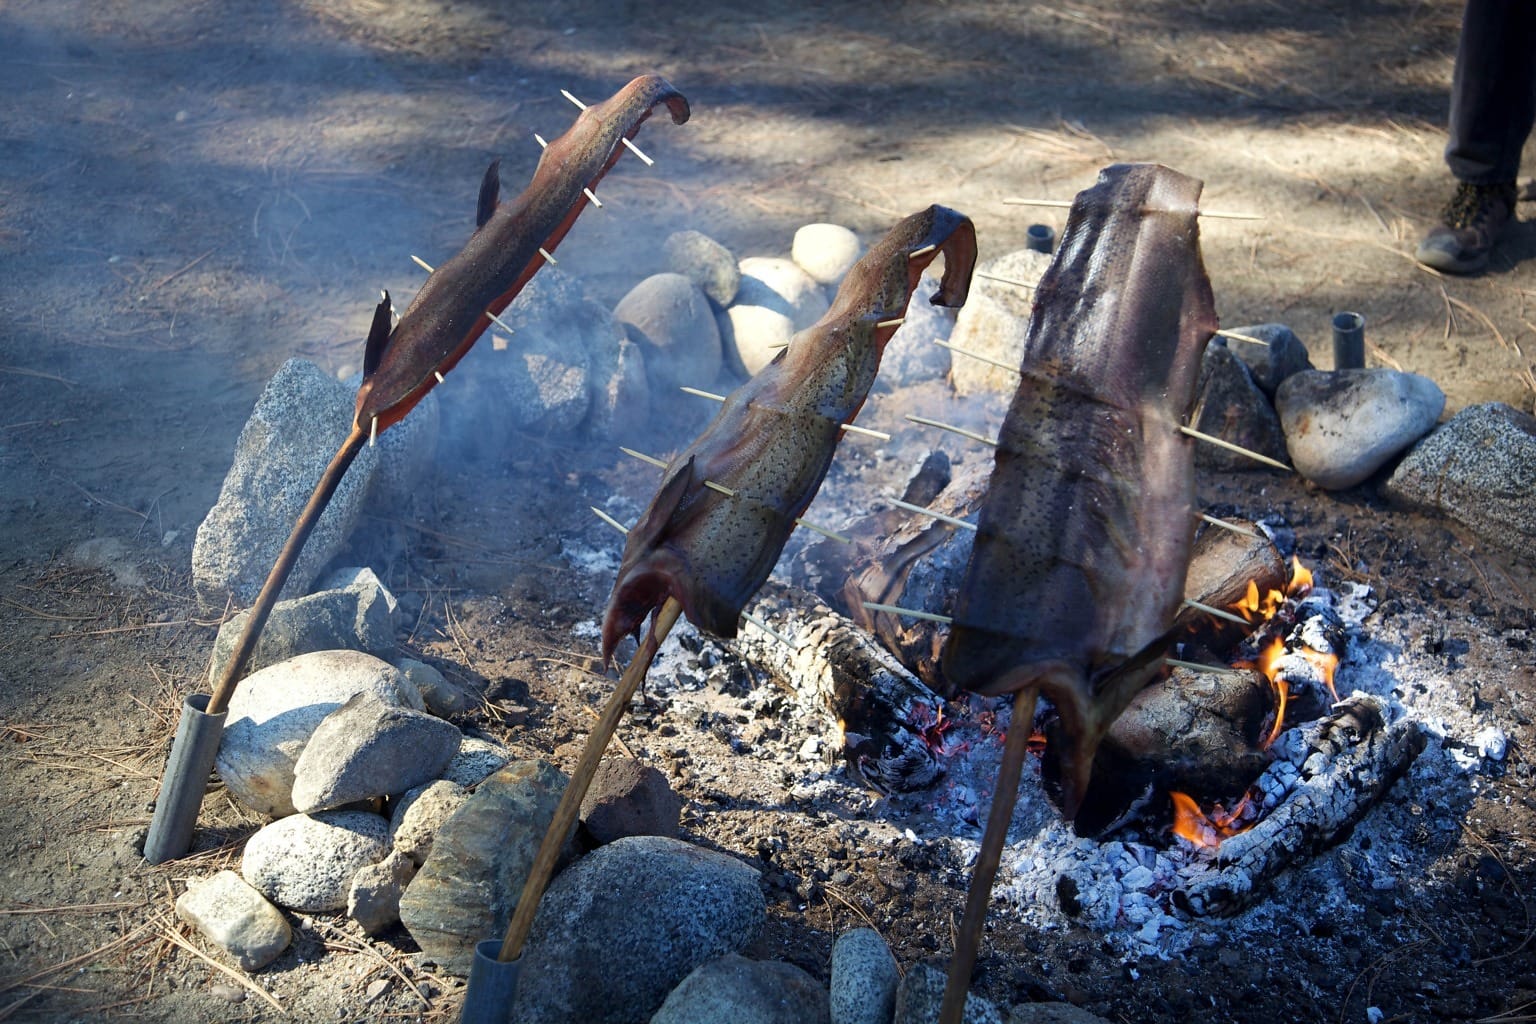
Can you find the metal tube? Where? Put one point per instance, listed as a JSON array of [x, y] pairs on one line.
[[1040, 237], [492, 983], [185, 780], [1348, 341]]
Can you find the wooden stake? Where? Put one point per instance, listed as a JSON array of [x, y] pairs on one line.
[[581, 779], [925, 421], [920, 510], [911, 613], [1229, 446], [1218, 612]]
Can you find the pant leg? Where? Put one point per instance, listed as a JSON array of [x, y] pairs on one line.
[[1493, 94]]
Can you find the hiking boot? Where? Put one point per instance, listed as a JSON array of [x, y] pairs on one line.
[[1470, 225]]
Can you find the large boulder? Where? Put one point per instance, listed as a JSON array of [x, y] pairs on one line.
[[1343, 425], [669, 317], [307, 862]]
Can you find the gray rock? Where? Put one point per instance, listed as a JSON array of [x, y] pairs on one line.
[[922, 993], [706, 262], [629, 798], [621, 397], [825, 251], [443, 697], [864, 978], [476, 760], [275, 711], [307, 862], [373, 901], [994, 321], [1342, 426], [1232, 407], [236, 918], [621, 928], [420, 814], [1479, 468], [468, 887], [349, 611], [1282, 355], [733, 988], [669, 317], [298, 423], [369, 748], [775, 300], [913, 353]]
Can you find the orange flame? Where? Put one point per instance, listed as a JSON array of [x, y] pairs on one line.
[[1208, 830]]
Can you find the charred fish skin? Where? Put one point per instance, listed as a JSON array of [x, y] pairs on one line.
[[1084, 539], [772, 441], [449, 313]]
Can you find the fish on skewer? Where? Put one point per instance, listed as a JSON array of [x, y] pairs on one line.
[[771, 444], [1084, 538]]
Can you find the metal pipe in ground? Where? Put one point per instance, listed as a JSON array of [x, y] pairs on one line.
[[185, 780], [1348, 341], [1040, 237], [492, 983]]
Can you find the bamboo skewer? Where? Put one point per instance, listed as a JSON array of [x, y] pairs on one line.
[[1229, 446], [977, 355], [848, 427], [940, 516], [925, 421], [1218, 612]]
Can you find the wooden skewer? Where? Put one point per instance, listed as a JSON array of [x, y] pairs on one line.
[[1064, 204], [925, 421], [1229, 446], [722, 489], [653, 460], [1003, 280], [498, 322], [1218, 612], [780, 637], [1230, 526], [892, 323], [605, 517], [373, 432], [911, 613], [1242, 337], [439, 375], [920, 510], [581, 779], [547, 257], [567, 94], [628, 145], [1195, 666], [849, 427], [977, 355], [423, 264], [924, 251]]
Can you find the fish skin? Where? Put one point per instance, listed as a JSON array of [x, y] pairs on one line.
[[448, 314], [1084, 539], [773, 439]]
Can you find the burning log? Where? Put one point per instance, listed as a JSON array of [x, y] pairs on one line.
[[1310, 798]]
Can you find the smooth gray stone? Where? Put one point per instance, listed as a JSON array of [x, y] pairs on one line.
[[298, 423], [1479, 468], [620, 929], [236, 918], [994, 322], [468, 887], [370, 748], [706, 262], [865, 977], [275, 711], [1232, 407], [825, 251], [733, 988], [775, 300], [419, 815], [668, 316], [913, 353], [922, 993], [443, 697], [629, 798], [477, 760], [373, 901], [1343, 425], [307, 862], [1270, 363], [349, 611]]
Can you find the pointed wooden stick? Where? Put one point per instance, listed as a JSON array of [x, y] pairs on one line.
[[977, 355], [581, 779], [892, 323], [925, 421], [547, 257], [1229, 446], [924, 251], [1066, 204], [911, 613], [1218, 612], [722, 489], [775, 634], [605, 517], [1195, 666], [498, 322], [423, 264], [1242, 337], [920, 510], [1002, 280], [1230, 526], [849, 427], [627, 144]]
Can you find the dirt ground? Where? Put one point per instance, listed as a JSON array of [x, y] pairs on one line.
[[193, 192]]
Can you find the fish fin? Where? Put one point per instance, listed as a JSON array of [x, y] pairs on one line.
[[490, 191], [378, 336]]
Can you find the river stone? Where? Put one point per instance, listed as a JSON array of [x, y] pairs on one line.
[[706, 262], [275, 711], [669, 317], [922, 993], [370, 748], [621, 397], [733, 988], [299, 422], [373, 900], [468, 887], [1342, 426], [236, 918], [1282, 355], [477, 760], [1232, 407], [443, 697], [419, 815], [350, 610], [629, 798], [994, 322], [825, 251], [307, 862], [776, 299], [621, 928], [864, 978], [1479, 468], [913, 353]]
